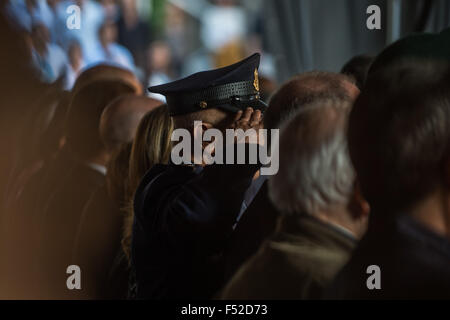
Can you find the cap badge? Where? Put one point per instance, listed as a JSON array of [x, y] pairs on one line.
[[203, 104], [256, 81]]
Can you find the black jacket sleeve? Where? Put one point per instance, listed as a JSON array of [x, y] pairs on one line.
[[198, 215]]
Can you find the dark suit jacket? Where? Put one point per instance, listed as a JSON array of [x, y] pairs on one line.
[[414, 264], [25, 224], [60, 222], [40, 187], [257, 224], [96, 244], [183, 218]]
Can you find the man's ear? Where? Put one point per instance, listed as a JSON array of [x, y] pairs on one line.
[[358, 206]]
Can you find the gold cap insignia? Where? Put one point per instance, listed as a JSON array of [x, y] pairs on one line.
[[203, 104], [256, 81]]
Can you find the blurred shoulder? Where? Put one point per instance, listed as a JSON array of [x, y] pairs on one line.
[[159, 183]]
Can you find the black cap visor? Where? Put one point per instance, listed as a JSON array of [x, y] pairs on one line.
[[241, 105]]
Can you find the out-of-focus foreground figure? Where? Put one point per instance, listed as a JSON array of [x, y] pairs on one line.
[[399, 135]]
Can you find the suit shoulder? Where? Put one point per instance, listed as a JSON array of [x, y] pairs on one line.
[[158, 182]]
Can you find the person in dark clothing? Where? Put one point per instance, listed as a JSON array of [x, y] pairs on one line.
[[313, 190], [69, 194], [134, 33], [20, 89], [45, 134], [260, 220], [185, 213], [256, 224], [151, 146], [358, 67], [399, 135], [99, 232]]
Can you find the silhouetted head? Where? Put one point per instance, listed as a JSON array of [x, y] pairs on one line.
[[93, 91], [121, 118]]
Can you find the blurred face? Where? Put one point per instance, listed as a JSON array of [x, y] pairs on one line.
[[160, 57], [129, 4], [108, 33], [52, 3], [174, 16], [79, 2], [110, 8], [75, 56], [28, 41], [30, 4], [40, 37]]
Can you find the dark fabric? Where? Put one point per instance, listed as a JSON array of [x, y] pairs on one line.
[[135, 39], [298, 262], [60, 222], [320, 34], [39, 188], [311, 38], [256, 224], [183, 218], [240, 72], [97, 243], [421, 46], [25, 221], [414, 264], [119, 279], [232, 97]]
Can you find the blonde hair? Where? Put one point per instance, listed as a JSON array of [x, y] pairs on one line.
[[151, 146]]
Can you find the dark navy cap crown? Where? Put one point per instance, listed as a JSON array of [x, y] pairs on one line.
[[231, 88]]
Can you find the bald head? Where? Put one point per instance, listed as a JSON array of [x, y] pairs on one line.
[[107, 73], [121, 118], [307, 88]]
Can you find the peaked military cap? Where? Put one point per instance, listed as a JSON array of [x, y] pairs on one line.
[[232, 88]]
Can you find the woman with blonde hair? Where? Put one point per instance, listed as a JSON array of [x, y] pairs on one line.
[[151, 146]]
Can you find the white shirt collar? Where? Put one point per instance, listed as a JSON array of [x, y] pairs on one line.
[[97, 167]]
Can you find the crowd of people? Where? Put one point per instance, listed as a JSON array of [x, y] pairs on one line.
[[64, 40], [65, 37], [87, 177]]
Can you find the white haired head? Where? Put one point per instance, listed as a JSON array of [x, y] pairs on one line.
[[315, 168]]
